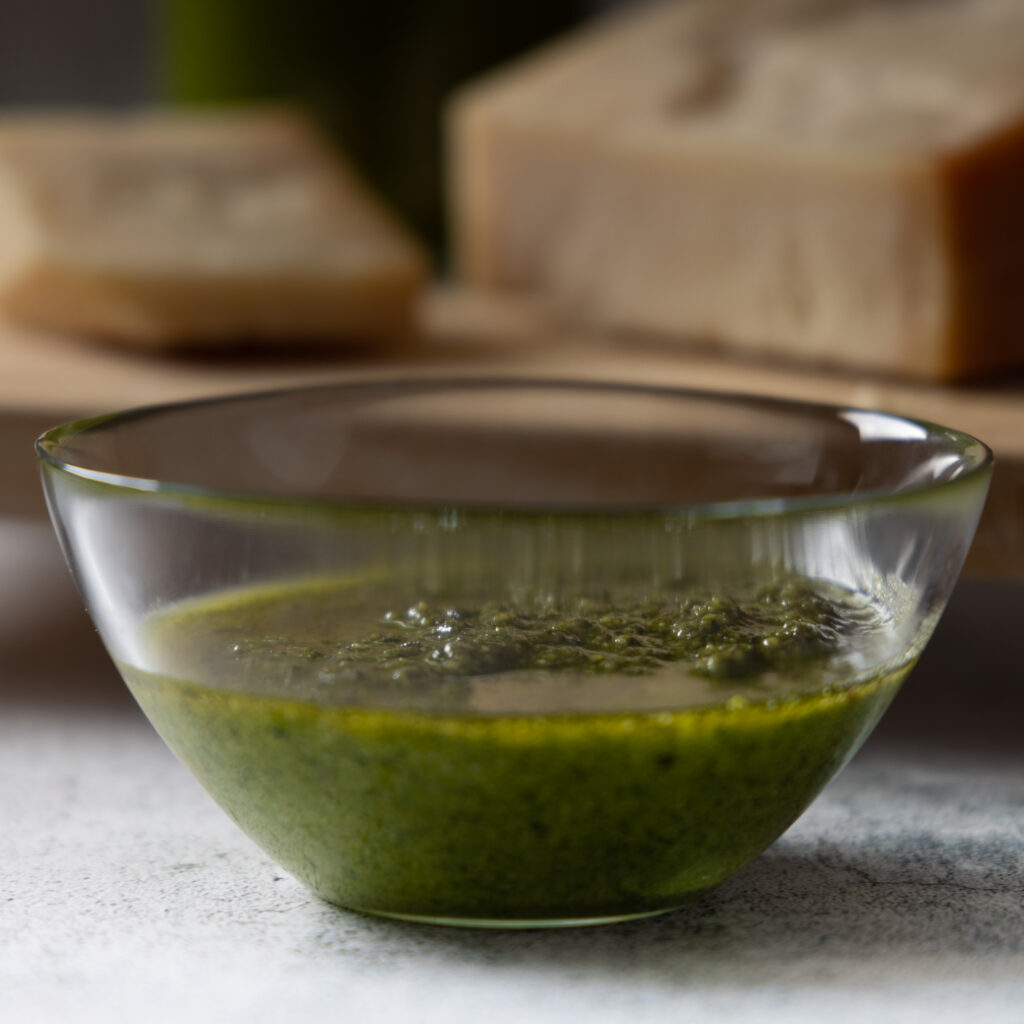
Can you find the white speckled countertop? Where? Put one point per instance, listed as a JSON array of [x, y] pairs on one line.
[[126, 895]]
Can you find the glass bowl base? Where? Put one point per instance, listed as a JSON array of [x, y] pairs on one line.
[[517, 924]]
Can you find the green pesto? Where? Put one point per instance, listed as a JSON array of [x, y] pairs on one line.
[[786, 626], [442, 810]]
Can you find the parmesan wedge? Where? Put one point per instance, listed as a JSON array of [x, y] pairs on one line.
[[837, 181], [178, 229]]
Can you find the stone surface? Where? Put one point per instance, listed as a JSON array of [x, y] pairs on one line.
[[126, 894]]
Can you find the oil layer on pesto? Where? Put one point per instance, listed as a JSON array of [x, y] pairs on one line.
[[719, 637]]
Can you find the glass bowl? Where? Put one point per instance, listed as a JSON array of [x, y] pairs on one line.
[[513, 653]]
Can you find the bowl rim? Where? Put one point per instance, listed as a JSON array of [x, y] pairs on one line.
[[978, 459]]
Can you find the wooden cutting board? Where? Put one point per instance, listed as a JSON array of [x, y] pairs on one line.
[[46, 380]]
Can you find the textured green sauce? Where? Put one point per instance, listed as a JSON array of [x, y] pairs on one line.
[[512, 777], [787, 626]]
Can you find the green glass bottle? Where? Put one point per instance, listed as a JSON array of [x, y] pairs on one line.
[[375, 75]]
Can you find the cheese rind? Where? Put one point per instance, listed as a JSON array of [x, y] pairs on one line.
[[167, 230], [820, 179]]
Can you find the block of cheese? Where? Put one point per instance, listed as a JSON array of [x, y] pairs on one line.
[[173, 229], [840, 181]]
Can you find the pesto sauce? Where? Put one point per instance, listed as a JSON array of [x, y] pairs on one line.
[[785, 626], [444, 809]]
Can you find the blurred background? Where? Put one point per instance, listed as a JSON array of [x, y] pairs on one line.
[[62, 52], [375, 74]]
